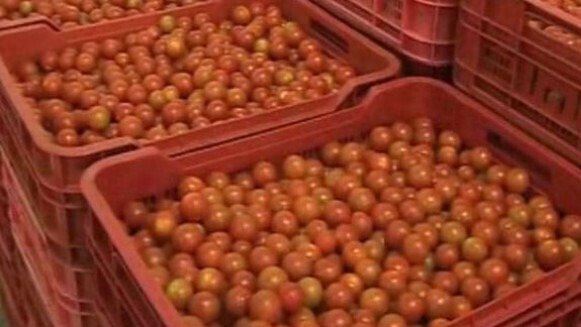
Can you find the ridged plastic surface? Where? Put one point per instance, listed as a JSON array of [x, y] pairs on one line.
[[24, 300], [60, 281], [506, 58], [422, 30], [129, 294]]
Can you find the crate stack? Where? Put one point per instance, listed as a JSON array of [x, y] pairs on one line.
[[421, 31], [22, 301], [65, 257], [43, 207], [553, 300], [522, 59]]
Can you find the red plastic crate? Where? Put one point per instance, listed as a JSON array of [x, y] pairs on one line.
[[58, 278], [62, 166], [23, 301], [521, 72], [132, 294], [20, 302], [421, 30], [6, 239]]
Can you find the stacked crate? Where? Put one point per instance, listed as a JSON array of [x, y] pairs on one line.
[[554, 299], [44, 205], [421, 31], [521, 58]]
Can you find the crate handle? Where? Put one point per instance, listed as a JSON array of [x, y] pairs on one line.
[[332, 40], [533, 166]]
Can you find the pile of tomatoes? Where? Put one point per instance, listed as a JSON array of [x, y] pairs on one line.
[[181, 74], [71, 13], [407, 227]]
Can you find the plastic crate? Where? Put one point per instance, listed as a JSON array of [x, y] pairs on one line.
[[57, 277], [520, 71], [131, 292], [62, 166], [22, 300], [56, 213], [7, 244], [422, 30]]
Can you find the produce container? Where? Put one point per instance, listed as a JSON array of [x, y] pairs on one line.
[[57, 278], [65, 165], [521, 58], [49, 174], [423, 31], [21, 302], [129, 293], [24, 300]]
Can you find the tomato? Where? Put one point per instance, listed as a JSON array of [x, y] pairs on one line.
[[233, 262], [494, 272], [411, 307], [438, 304], [571, 227], [296, 265], [205, 306], [160, 275], [392, 320], [291, 296], [271, 278], [99, 118], [264, 172], [154, 256], [313, 291], [374, 299], [415, 249], [241, 15], [476, 290], [369, 271], [307, 209], [474, 249], [244, 228], [187, 237], [237, 300], [179, 292], [336, 317], [517, 180], [327, 269], [549, 254], [445, 281], [394, 282], [338, 296], [262, 257]]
